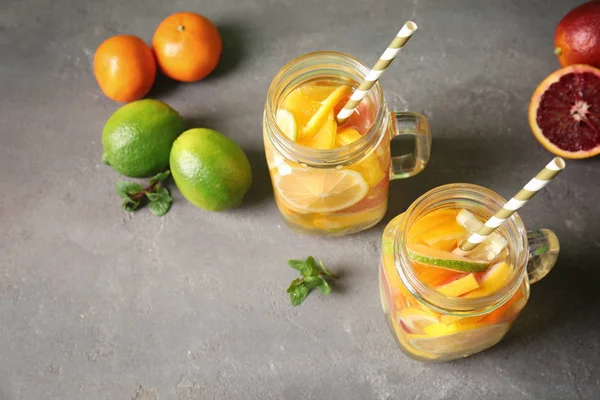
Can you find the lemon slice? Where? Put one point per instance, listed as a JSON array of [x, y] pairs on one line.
[[322, 191], [460, 286], [287, 124]]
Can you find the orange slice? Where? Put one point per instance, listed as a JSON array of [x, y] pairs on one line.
[[369, 167], [445, 245], [317, 92], [459, 286], [322, 191], [430, 221], [321, 116], [434, 276], [302, 107], [325, 138]]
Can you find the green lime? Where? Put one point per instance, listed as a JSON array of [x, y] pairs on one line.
[[444, 259], [137, 138], [210, 170]]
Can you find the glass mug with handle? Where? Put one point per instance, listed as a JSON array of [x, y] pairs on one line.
[[440, 305], [329, 179]]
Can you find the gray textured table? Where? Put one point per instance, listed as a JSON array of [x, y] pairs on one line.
[[98, 304]]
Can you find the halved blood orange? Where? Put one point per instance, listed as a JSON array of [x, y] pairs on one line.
[[564, 113]]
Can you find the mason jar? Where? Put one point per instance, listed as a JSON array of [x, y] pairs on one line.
[[342, 190], [463, 326]]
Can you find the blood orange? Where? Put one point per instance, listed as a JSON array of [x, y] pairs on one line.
[[577, 36], [564, 113]]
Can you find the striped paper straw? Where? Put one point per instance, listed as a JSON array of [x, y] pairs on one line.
[[535, 185], [384, 61]]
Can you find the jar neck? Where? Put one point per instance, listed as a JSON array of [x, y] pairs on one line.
[[337, 67], [483, 203]]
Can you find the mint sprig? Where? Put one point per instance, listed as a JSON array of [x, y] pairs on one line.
[[155, 195], [313, 276]]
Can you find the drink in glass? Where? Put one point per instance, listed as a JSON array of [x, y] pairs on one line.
[[442, 304], [330, 178]]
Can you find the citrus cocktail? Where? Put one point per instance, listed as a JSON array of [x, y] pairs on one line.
[[320, 199], [332, 178], [441, 303]]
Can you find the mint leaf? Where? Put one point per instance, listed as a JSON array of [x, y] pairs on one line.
[[162, 194], [298, 295], [161, 176], [313, 282], [324, 270], [126, 188], [296, 264], [159, 208], [131, 205], [325, 288], [294, 285], [540, 251], [153, 196], [309, 270], [313, 277], [163, 190]]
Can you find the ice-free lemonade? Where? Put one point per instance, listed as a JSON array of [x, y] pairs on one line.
[[338, 200], [431, 246]]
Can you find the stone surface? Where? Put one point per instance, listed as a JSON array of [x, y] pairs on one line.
[[98, 304]]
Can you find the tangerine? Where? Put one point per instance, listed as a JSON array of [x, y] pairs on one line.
[[124, 68], [187, 46]]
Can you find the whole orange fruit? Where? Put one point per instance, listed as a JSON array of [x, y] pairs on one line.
[[577, 36], [187, 46], [124, 67]]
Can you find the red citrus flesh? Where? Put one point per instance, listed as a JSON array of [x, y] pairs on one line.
[[577, 36], [564, 113]]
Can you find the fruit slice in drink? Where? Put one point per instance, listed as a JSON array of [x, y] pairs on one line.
[[287, 123], [457, 339], [443, 259], [322, 190], [417, 320], [369, 167], [493, 279], [460, 286], [430, 222]]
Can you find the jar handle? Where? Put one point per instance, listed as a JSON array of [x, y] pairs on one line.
[[543, 253], [409, 123]]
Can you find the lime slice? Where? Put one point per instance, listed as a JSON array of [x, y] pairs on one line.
[[287, 124], [444, 259]]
